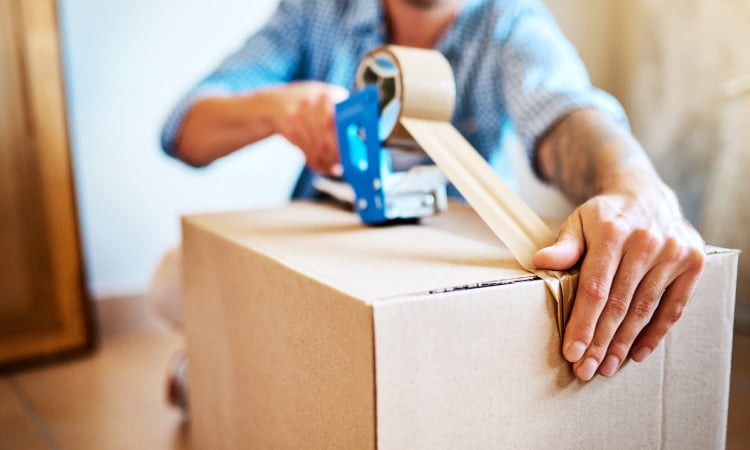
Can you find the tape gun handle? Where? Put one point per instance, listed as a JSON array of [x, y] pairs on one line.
[[360, 151]]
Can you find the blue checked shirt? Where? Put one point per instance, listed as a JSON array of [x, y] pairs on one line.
[[514, 69]]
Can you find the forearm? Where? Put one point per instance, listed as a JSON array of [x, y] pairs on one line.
[[587, 154], [216, 126]]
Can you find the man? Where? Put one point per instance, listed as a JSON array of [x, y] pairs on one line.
[[640, 260]]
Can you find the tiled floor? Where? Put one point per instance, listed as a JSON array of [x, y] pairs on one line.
[[111, 400], [114, 399]]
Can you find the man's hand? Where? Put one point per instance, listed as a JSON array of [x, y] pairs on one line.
[[305, 116], [302, 112], [640, 259], [640, 267]]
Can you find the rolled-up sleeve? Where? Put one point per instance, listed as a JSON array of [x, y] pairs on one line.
[[543, 78], [271, 56]]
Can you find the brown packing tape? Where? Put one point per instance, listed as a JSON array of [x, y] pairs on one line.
[[420, 84], [507, 215], [412, 83], [563, 286]]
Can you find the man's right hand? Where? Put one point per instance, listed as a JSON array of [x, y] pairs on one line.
[[304, 115], [301, 111]]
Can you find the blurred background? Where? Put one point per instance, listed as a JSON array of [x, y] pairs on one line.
[[90, 204], [126, 64]]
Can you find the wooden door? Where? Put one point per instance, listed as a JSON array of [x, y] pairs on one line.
[[43, 307]]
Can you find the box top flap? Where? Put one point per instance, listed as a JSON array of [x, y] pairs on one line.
[[452, 250]]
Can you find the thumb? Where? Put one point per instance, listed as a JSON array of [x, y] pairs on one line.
[[567, 249], [337, 93]]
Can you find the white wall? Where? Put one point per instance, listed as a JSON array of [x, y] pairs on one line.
[[666, 60], [680, 53], [126, 64], [589, 24]]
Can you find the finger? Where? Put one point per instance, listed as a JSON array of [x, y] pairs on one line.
[[634, 266], [337, 93], [299, 134], [327, 133], [603, 255], [337, 170], [645, 301], [647, 292], [308, 120], [566, 251], [295, 135], [641, 250], [669, 311]]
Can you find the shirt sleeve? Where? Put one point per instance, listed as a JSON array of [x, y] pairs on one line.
[[543, 78], [271, 56]]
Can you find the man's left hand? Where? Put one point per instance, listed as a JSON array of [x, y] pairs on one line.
[[640, 262]]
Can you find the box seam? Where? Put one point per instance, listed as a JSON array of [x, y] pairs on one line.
[[447, 290]]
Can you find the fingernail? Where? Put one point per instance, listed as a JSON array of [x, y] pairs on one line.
[[587, 369], [337, 170], [574, 351], [609, 366], [641, 353]]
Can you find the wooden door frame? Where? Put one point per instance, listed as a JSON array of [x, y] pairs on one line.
[[38, 46]]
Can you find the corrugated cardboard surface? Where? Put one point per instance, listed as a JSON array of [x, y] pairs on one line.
[[482, 369], [326, 243], [698, 359], [277, 360], [308, 330]]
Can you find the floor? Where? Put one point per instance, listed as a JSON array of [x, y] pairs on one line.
[[111, 400], [114, 399]]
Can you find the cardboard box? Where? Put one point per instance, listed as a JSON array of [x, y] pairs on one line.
[[306, 329]]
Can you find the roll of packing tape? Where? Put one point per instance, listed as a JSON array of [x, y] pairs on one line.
[[417, 97], [412, 83]]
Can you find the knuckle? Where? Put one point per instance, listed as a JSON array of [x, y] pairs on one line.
[[618, 305], [696, 259], [646, 241], [642, 309], [292, 112], [579, 330], [672, 250], [598, 348], [298, 116], [595, 290], [619, 348], [675, 314], [612, 230]]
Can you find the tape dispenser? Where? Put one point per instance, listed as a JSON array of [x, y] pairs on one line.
[[393, 81]]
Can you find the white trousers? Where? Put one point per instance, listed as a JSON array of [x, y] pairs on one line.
[[165, 292]]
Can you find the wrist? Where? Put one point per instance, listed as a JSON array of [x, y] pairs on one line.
[[266, 108], [646, 188]]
